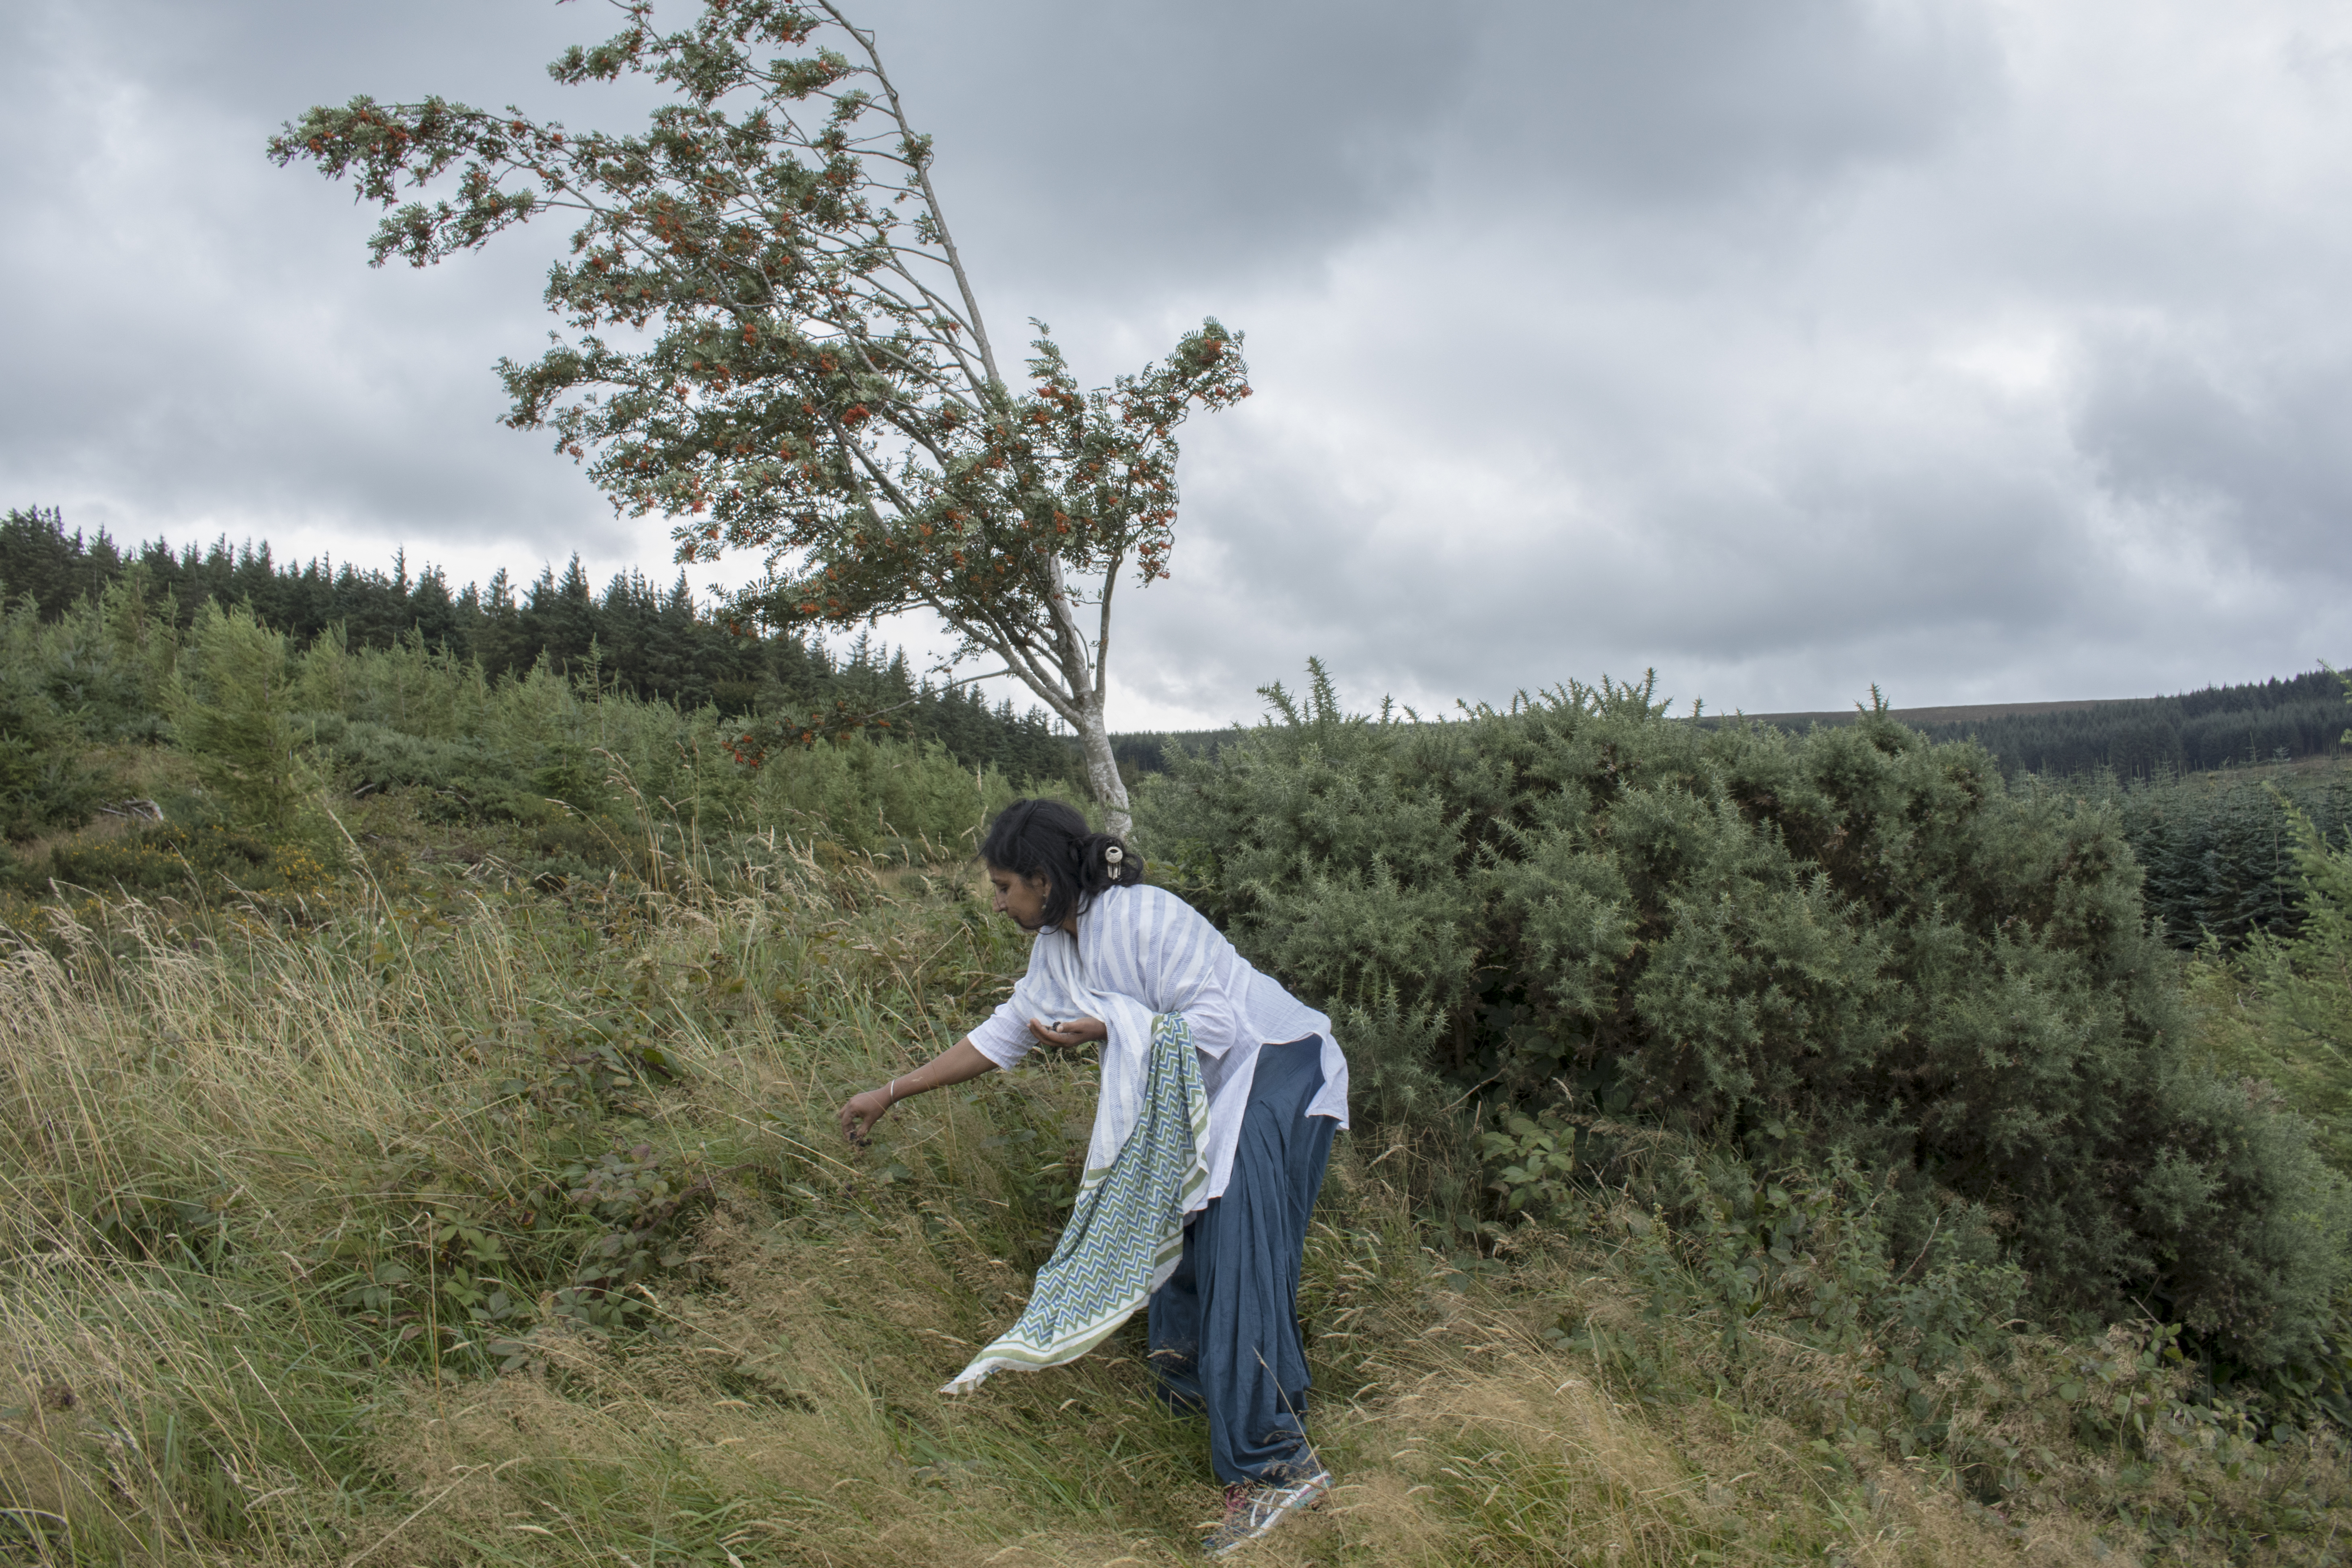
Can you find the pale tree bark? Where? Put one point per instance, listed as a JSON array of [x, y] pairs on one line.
[[1102, 770], [1072, 679], [1088, 672]]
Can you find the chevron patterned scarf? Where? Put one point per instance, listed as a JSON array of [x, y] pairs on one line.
[[1126, 1232]]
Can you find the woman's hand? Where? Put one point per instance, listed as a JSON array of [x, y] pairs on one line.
[[1077, 1031], [959, 1063], [862, 1112]]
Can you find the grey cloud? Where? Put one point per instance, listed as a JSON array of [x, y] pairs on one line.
[[2264, 450], [213, 353], [1101, 149], [1136, 147], [1695, 100], [1796, 576], [267, 61]]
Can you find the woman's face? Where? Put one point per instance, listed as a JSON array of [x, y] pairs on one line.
[[1023, 898]]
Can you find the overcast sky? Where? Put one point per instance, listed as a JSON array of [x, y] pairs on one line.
[[1986, 351]]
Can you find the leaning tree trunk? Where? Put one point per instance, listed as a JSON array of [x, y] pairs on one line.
[[1102, 768]]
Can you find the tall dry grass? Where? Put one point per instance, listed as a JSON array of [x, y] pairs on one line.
[[290, 1231]]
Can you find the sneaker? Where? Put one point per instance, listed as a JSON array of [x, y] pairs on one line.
[[1257, 1507]]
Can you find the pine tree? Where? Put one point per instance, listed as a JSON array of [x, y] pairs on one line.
[[231, 710]]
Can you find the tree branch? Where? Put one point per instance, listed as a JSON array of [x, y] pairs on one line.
[[1000, 642], [1102, 643], [930, 197]]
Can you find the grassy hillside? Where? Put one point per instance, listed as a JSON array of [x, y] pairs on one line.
[[467, 1223], [416, 1146]]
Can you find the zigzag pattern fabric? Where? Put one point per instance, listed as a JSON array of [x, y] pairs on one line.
[[1127, 1230]]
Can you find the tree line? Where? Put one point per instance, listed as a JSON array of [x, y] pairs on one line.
[[2153, 739], [2217, 852], [2249, 725], [643, 640]]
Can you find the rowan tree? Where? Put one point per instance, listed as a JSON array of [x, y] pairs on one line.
[[775, 341]]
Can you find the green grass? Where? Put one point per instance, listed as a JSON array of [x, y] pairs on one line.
[[445, 1219]]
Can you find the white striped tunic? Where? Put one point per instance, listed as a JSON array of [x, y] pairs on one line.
[[1151, 946]]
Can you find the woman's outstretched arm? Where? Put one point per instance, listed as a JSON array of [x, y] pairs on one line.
[[958, 1063]]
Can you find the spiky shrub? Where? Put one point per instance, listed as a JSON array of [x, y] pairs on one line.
[[1849, 940]]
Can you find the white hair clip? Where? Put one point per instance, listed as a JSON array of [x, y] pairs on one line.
[[1112, 856]]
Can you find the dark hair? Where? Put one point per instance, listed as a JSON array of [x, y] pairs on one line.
[[1047, 838]]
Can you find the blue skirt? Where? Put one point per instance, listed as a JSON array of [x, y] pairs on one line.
[[1224, 1329]]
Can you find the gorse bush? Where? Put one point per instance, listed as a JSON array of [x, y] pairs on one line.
[[1785, 945], [2215, 849]]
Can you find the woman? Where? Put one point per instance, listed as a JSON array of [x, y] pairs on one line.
[[1224, 1321]]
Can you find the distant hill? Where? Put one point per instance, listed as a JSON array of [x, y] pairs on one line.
[[2301, 717], [1960, 713], [2268, 721]]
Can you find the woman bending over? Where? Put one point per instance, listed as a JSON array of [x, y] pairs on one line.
[[1224, 1319]]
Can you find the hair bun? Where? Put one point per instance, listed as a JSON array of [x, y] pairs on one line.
[[1049, 838]]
